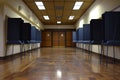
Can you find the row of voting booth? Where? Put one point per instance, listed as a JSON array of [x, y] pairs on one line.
[[20, 33], [104, 32]]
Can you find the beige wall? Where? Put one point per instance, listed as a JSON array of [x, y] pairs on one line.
[[95, 12], [14, 10], [1, 30]]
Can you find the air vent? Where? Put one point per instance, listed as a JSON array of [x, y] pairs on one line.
[[58, 17], [59, 7]]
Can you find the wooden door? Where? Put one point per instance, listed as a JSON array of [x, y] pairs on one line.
[[69, 42], [46, 39], [61, 39], [55, 39], [69, 38], [58, 39]]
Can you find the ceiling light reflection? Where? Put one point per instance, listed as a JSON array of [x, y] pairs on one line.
[[59, 74]]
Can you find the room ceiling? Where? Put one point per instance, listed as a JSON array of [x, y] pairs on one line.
[[58, 10]]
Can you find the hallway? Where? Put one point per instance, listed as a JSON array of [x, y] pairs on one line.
[[58, 64]]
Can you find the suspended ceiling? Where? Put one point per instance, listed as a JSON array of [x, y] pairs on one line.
[[58, 10]]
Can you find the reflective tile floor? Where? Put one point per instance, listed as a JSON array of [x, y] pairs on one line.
[[58, 64]]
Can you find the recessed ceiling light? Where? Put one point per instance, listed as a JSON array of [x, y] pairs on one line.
[[58, 22], [46, 17], [40, 5], [77, 5], [71, 17]]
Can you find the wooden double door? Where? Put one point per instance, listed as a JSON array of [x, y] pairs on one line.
[[58, 39], [46, 39]]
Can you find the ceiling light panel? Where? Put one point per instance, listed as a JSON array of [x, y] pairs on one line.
[[77, 5], [71, 17], [40, 5], [58, 22], [46, 17]]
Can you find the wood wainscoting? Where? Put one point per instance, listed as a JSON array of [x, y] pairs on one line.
[[57, 38]]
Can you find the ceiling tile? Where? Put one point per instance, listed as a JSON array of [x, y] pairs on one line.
[[58, 10]]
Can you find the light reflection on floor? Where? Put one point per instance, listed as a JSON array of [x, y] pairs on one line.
[[58, 64]]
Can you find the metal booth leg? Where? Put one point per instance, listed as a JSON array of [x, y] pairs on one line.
[[91, 50], [101, 53], [107, 55], [12, 50], [114, 53]]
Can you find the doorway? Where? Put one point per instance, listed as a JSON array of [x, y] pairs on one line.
[[59, 39]]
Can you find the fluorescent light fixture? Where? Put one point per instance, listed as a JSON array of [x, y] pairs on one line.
[[58, 22], [71, 17], [40, 5], [77, 5], [46, 17]]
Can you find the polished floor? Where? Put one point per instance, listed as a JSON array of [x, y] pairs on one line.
[[58, 64]]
